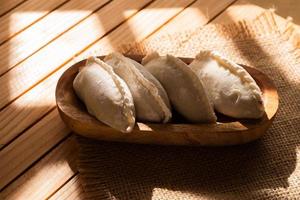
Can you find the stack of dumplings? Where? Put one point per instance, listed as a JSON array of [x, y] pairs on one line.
[[119, 91]]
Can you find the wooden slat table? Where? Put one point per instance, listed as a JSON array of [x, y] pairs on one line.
[[38, 41]]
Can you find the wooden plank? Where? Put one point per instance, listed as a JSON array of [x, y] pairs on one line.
[[72, 190], [34, 69], [7, 5], [30, 40], [30, 146], [25, 15], [47, 175]]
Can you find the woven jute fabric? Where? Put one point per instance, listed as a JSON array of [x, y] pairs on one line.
[[266, 169]]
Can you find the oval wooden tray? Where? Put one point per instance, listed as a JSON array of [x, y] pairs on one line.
[[227, 131]]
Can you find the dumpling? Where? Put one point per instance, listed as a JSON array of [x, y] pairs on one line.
[[183, 87], [230, 87], [106, 96], [150, 99], [161, 91]]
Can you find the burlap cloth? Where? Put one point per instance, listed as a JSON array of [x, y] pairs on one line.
[[265, 169]]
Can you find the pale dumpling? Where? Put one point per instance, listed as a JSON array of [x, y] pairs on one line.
[[183, 87], [161, 91], [230, 87], [106, 96], [150, 99]]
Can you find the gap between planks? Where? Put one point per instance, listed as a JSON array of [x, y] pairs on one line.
[[41, 180], [31, 146], [9, 5], [71, 190]]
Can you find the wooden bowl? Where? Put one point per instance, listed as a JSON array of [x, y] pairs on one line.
[[227, 131]]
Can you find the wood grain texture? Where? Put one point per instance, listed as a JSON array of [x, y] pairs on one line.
[[236, 12], [30, 146], [42, 32], [28, 109], [72, 190], [196, 15], [24, 15], [44, 92], [7, 5], [34, 69], [228, 131], [144, 23], [47, 175]]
